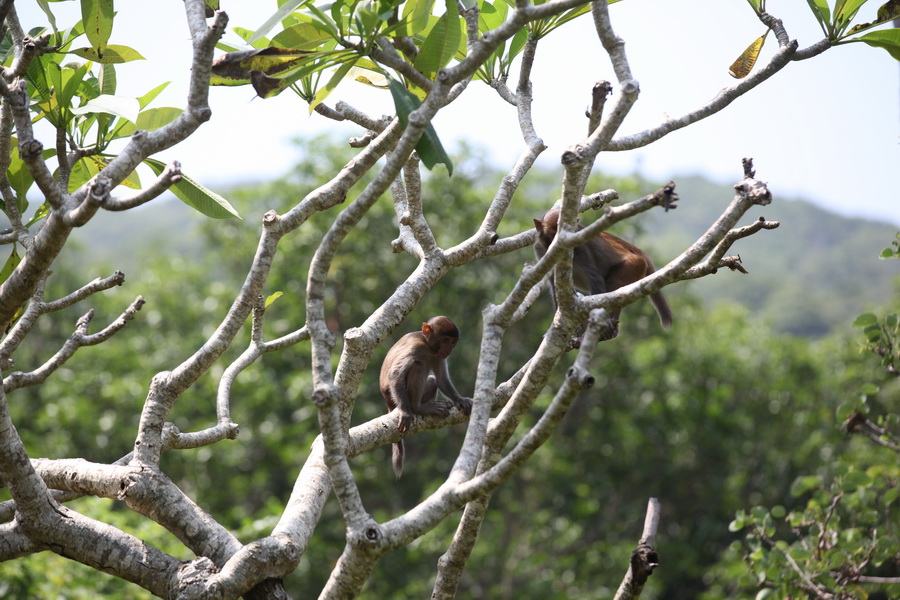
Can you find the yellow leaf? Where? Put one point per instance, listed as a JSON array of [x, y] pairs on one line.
[[741, 67]]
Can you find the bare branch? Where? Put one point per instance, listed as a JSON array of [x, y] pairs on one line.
[[77, 340], [644, 558], [169, 177]]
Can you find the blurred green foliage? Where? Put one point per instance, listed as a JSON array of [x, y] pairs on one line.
[[718, 415]]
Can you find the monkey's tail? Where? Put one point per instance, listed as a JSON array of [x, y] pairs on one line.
[[662, 309], [397, 452]]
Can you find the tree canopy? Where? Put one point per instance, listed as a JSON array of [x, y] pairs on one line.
[[230, 435]]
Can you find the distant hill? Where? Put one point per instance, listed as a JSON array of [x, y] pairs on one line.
[[816, 271]]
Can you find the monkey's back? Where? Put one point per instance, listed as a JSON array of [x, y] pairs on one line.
[[394, 360]]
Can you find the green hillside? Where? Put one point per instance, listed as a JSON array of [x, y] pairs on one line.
[[816, 271]]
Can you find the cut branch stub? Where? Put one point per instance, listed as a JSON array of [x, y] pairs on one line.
[[666, 196], [643, 560]]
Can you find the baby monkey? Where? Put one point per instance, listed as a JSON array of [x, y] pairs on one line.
[[414, 369], [603, 264]]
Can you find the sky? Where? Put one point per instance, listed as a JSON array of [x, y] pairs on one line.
[[826, 129]]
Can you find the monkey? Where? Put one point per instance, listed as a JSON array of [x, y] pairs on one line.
[[601, 265], [414, 369]]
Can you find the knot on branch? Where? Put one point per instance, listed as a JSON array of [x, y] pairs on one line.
[[643, 560], [202, 113], [100, 188], [367, 538], [733, 263], [630, 87], [416, 118], [324, 395], [30, 149], [270, 218], [666, 196], [192, 580], [581, 377], [573, 157]]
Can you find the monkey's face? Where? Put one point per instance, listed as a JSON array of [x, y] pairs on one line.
[[446, 344]]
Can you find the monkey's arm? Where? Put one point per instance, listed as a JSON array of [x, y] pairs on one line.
[[444, 383]]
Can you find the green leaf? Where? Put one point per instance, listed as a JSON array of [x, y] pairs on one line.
[[112, 54], [332, 83], [151, 95], [70, 80], [888, 39], [891, 495], [107, 79], [865, 320], [845, 10], [42, 211], [856, 479], [273, 298], [150, 119], [441, 44], [821, 11], [17, 173], [302, 36], [196, 196], [120, 106], [870, 389], [97, 16], [246, 34], [45, 6], [764, 594], [804, 484], [491, 16], [283, 11], [11, 263], [430, 149], [417, 14]]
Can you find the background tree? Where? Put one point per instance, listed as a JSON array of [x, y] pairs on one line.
[[427, 61]]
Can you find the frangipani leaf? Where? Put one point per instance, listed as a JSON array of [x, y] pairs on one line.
[[120, 106], [196, 196], [429, 148], [112, 54], [742, 66], [235, 68]]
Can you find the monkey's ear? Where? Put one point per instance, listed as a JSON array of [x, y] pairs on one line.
[[539, 225], [426, 329]]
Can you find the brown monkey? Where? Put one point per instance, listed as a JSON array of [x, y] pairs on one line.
[[414, 369], [601, 265]]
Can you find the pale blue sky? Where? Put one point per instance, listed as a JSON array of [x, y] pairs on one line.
[[825, 129]]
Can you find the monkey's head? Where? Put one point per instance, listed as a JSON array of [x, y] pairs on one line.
[[546, 227], [441, 335]]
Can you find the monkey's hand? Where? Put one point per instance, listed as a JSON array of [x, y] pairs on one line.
[[465, 405]]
